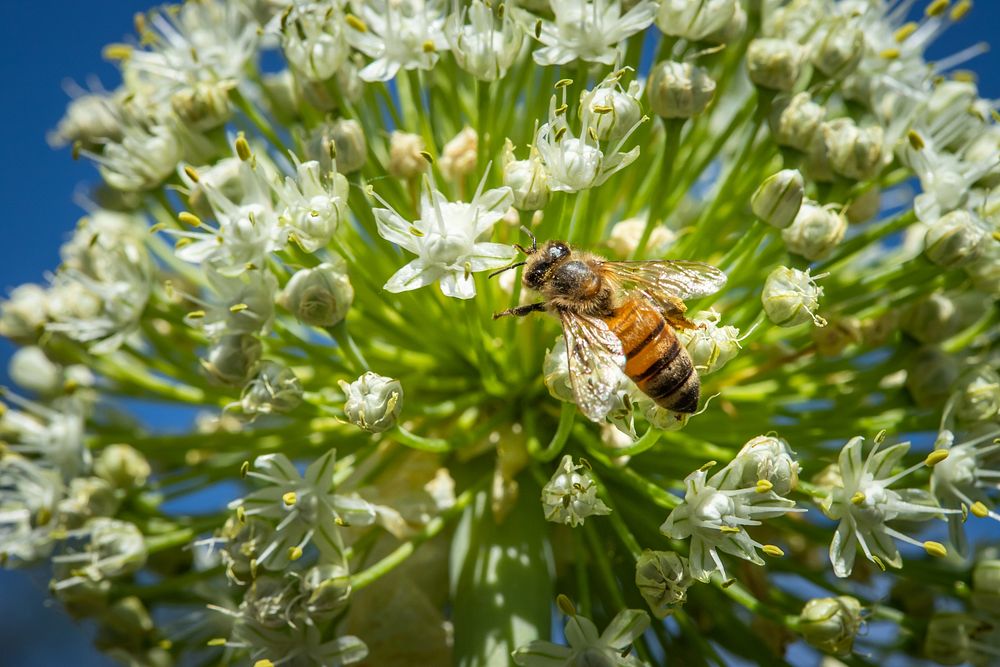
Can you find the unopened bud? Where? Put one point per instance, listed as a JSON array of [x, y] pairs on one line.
[[458, 157], [766, 462], [232, 359], [694, 20], [709, 345], [978, 395], [986, 586], [791, 297], [613, 112], [839, 50], [830, 624], [949, 638], [774, 63], [838, 335], [815, 232], [930, 374], [796, 123], [956, 239], [31, 369], [327, 589], [853, 152], [527, 179], [122, 465], [679, 90], [625, 236], [779, 197], [373, 402], [320, 296], [663, 578], [275, 388], [405, 155]]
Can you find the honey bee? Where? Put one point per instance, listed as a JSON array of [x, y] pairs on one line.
[[619, 316]]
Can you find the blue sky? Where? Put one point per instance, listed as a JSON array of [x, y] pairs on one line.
[[42, 45]]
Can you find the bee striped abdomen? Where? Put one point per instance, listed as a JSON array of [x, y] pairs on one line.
[[655, 359]]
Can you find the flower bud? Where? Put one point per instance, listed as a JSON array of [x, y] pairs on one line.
[[985, 271], [778, 199], [662, 578], [949, 638], [143, 158], [709, 345], [694, 20], [342, 141], [978, 397], [203, 106], [733, 29], [956, 239], [113, 548], [123, 466], [796, 123], [930, 374], [766, 458], [458, 158], [319, 296], [613, 112], [679, 90], [125, 625], [570, 496], [876, 331], [939, 316], [865, 206], [527, 179], [373, 402], [986, 586], [791, 297], [313, 41], [406, 158], [274, 389], [232, 359], [31, 369], [830, 624], [838, 50], [555, 372], [625, 237], [91, 120], [23, 315], [839, 334], [853, 152], [327, 588], [815, 232], [88, 497], [283, 95], [774, 64]]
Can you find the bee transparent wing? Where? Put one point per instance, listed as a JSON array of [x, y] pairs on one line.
[[666, 280], [596, 360]]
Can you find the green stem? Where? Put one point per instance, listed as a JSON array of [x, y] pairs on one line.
[[567, 416], [404, 437], [348, 348]]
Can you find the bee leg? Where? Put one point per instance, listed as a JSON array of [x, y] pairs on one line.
[[678, 321], [521, 311]]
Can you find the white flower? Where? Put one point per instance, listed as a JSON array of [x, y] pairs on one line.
[[313, 205], [305, 509], [587, 648], [239, 304], [694, 20], [578, 162], [398, 34], [275, 388], [29, 498], [142, 159], [865, 503], [102, 549], [570, 496], [23, 314], [961, 481], [527, 179], [715, 518], [765, 457], [92, 119], [406, 158], [625, 237], [446, 238], [614, 111], [53, 433], [487, 44], [373, 402], [590, 30], [791, 297], [313, 39]]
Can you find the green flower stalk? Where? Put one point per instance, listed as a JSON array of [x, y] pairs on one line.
[[310, 261]]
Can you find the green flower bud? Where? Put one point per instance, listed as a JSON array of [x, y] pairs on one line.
[[123, 466], [283, 95], [837, 52], [930, 374], [663, 578], [555, 372], [949, 638], [233, 358], [774, 64], [327, 589], [88, 497], [778, 199], [837, 336], [679, 90], [986, 586], [124, 625], [816, 231], [694, 20], [373, 402], [732, 30], [985, 271], [766, 458], [941, 315], [341, 142], [23, 314], [865, 206], [275, 388], [830, 624], [203, 106], [268, 601], [319, 296], [791, 297], [796, 122], [85, 598], [978, 397], [853, 152], [956, 239], [31, 369]]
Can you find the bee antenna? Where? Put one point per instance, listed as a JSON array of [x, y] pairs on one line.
[[506, 268], [534, 241]]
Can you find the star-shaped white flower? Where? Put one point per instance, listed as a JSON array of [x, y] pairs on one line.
[[446, 240], [398, 34], [610, 648], [590, 31]]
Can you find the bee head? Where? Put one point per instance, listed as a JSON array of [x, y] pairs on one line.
[[543, 261]]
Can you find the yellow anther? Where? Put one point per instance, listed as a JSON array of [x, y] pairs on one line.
[[858, 498], [600, 108], [416, 232], [117, 52], [708, 466], [238, 307], [979, 509], [880, 437], [191, 172], [964, 75], [189, 219], [936, 457], [729, 530], [217, 641], [165, 644], [196, 314], [243, 148], [916, 141], [560, 133], [181, 242], [289, 498], [294, 553], [428, 158], [565, 605], [428, 46], [562, 83], [959, 11], [356, 23], [889, 54], [772, 550], [244, 469], [157, 228], [263, 663], [728, 582], [937, 7], [879, 563], [904, 31], [764, 485], [935, 549]]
